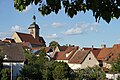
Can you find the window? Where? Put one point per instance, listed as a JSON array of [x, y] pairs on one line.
[[90, 58], [31, 31]]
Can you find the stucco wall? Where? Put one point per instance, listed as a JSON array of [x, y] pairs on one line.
[[33, 30], [107, 65], [90, 61], [112, 76], [74, 66], [16, 38], [56, 50]]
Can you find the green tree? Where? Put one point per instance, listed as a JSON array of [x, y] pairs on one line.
[[105, 9], [61, 70], [118, 78], [94, 73], [53, 44], [5, 74], [47, 71], [116, 66], [35, 66]]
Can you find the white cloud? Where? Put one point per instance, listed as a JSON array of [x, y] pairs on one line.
[[3, 35], [16, 28], [82, 28], [58, 24], [27, 8], [52, 36], [73, 31]]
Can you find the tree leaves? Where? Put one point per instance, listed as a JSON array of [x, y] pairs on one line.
[[91, 73], [105, 9], [116, 65]]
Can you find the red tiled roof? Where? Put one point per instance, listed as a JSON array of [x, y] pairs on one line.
[[69, 49], [95, 51], [79, 57], [104, 53], [47, 49], [62, 48], [27, 38], [59, 56], [62, 55], [109, 54], [114, 54]]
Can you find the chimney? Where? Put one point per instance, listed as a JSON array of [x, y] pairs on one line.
[[103, 46], [92, 46]]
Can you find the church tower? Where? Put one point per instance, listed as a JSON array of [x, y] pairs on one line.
[[34, 29]]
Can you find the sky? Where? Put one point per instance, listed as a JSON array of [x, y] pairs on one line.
[[81, 30]]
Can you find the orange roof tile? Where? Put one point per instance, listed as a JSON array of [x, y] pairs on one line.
[[62, 55], [27, 38], [62, 48], [95, 51], [79, 57], [59, 56], [104, 53], [114, 54], [47, 49]]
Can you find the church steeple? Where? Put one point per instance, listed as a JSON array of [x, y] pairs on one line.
[[34, 28]]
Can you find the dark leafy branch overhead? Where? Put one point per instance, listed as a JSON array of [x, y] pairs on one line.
[[105, 9]]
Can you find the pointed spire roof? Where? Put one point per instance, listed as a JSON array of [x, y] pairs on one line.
[[34, 25]]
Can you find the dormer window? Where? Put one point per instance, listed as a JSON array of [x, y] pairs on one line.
[[5, 57]]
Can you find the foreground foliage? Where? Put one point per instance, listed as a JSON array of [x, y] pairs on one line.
[[105, 9], [41, 68], [116, 66], [53, 44], [94, 73]]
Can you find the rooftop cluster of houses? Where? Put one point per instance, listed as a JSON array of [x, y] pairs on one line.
[[83, 57], [13, 48]]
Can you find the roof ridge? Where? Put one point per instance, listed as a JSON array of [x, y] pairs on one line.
[[23, 33]]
